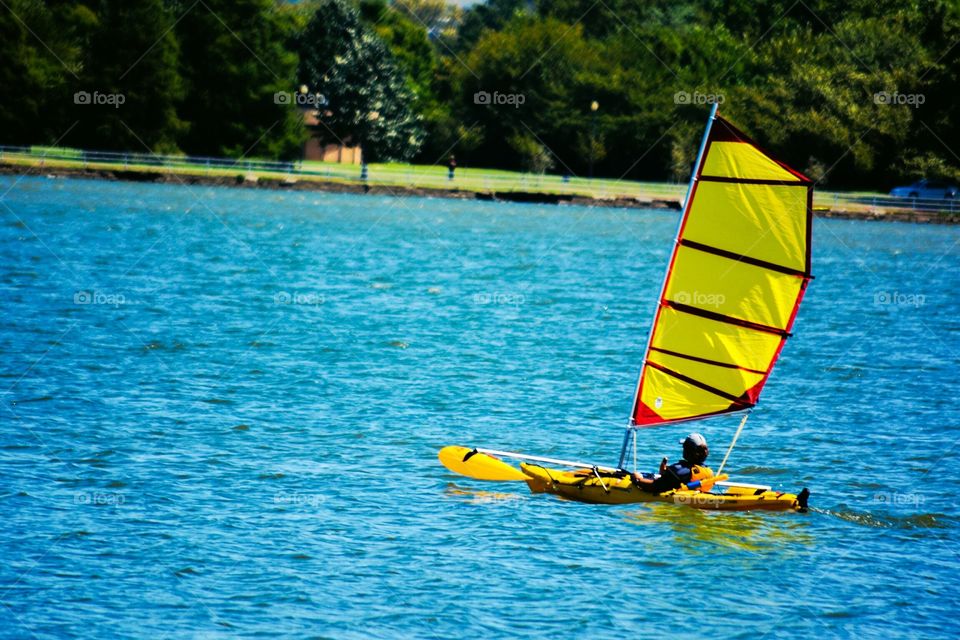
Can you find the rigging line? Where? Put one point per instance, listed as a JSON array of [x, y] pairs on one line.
[[522, 456], [597, 473], [733, 442], [626, 442]]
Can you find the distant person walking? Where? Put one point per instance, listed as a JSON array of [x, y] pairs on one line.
[[451, 166]]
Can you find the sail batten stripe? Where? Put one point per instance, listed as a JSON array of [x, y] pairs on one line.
[[713, 315], [739, 257], [700, 385], [774, 183], [715, 363]]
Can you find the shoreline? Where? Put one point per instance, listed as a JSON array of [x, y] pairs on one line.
[[335, 186]]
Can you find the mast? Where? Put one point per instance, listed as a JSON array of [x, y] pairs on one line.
[[697, 168]]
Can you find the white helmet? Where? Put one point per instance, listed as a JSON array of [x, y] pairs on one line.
[[695, 448]]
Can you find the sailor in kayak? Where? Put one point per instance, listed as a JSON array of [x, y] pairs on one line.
[[689, 469]]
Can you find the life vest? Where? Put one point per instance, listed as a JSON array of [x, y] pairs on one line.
[[698, 472]]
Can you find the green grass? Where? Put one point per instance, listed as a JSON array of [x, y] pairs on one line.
[[417, 176], [486, 180], [60, 151], [386, 175]]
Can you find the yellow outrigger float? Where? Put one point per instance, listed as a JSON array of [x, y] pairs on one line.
[[739, 268]]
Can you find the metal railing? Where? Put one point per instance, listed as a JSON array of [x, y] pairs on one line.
[[437, 178], [881, 203], [128, 159]]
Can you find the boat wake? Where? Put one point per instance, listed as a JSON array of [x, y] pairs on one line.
[[890, 521]]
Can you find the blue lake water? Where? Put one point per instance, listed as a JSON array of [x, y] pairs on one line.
[[222, 407]]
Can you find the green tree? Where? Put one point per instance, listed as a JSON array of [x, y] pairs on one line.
[[366, 96], [239, 75], [492, 15], [433, 15], [931, 149], [408, 43], [41, 63], [402, 28], [626, 18], [528, 87], [803, 78], [130, 59], [821, 97]]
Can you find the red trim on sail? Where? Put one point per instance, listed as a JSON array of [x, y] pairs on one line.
[[666, 281], [647, 417], [809, 242], [776, 355]]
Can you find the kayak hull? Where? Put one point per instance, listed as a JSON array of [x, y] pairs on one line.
[[586, 485]]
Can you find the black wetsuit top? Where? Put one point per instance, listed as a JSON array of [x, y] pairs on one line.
[[673, 477]]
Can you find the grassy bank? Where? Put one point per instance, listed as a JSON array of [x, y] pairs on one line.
[[385, 175], [403, 179]]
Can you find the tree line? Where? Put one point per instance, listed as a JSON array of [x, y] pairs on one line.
[[857, 93]]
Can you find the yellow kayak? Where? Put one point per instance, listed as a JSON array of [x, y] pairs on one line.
[[607, 487]]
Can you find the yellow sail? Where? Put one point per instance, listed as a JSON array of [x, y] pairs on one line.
[[739, 269]]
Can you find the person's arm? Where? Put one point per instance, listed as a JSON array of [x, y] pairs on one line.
[[673, 477], [667, 481]]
